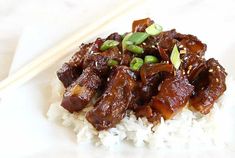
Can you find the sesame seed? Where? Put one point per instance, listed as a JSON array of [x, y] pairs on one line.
[[144, 43], [159, 87], [211, 70], [120, 52], [188, 72], [182, 51], [218, 67], [181, 46], [217, 80], [190, 67], [153, 46]]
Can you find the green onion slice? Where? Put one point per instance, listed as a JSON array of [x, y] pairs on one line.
[[175, 57], [135, 49], [112, 62], [154, 29], [138, 37], [108, 44], [125, 41], [136, 63], [132, 39], [149, 59]]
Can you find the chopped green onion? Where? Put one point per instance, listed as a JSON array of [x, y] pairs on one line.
[[135, 49], [124, 41], [175, 57], [108, 44], [129, 43], [132, 39], [150, 59], [112, 62], [138, 37], [136, 63], [154, 29]]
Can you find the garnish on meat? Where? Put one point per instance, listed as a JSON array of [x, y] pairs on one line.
[[152, 72]]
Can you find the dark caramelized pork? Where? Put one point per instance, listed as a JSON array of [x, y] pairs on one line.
[[78, 94], [151, 76], [148, 112], [150, 46], [141, 25], [152, 87], [67, 74], [166, 41], [70, 71], [192, 44], [115, 36], [205, 97], [111, 107], [174, 93], [98, 61], [147, 71], [193, 65]]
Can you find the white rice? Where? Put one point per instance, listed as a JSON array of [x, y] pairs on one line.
[[186, 130]]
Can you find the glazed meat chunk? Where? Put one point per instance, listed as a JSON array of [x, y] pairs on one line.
[[151, 75], [141, 25], [70, 71], [112, 106], [206, 94], [193, 65], [174, 93], [78, 94], [99, 61], [192, 44], [148, 112], [151, 72]]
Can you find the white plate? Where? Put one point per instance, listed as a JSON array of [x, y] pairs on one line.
[[25, 130]]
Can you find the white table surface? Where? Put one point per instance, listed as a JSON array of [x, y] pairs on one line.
[[28, 27], [16, 16]]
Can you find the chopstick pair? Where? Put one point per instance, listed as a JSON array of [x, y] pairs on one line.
[[62, 49]]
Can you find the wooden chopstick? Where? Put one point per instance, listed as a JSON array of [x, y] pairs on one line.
[[56, 53]]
